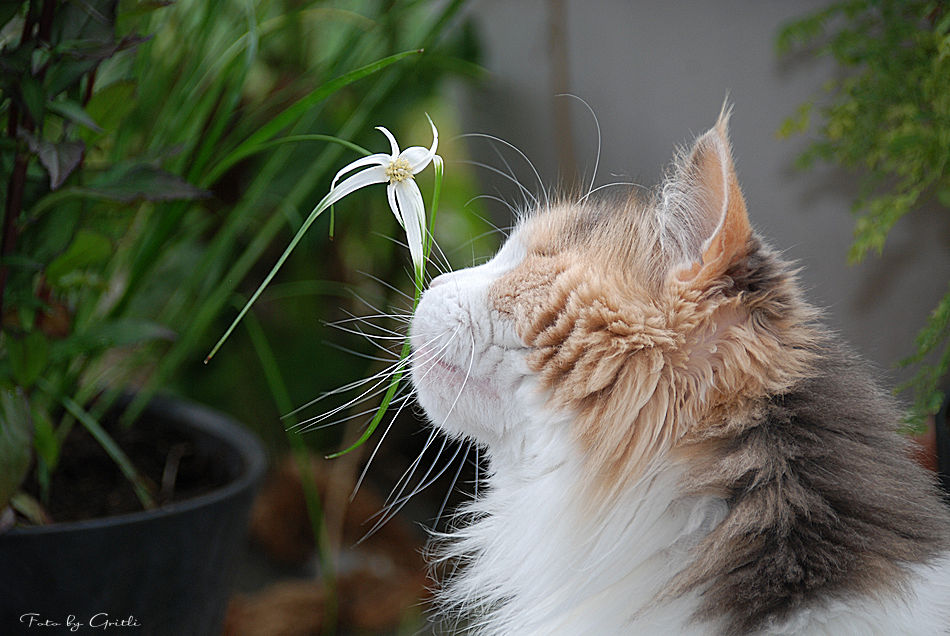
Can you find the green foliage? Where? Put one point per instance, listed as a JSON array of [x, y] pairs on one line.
[[154, 158], [888, 118], [16, 433]]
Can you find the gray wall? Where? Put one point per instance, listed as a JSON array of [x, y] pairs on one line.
[[656, 73]]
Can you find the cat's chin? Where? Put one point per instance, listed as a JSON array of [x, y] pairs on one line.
[[460, 403]]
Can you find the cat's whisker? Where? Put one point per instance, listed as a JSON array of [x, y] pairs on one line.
[[313, 427], [354, 318], [382, 376], [388, 286], [613, 184], [451, 487], [385, 373], [526, 193], [372, 456], [511, 172], [375, 339], [593, 115], [380, 386], [424, 482], [360, 354], [359, 332], [377, 389], [495, 198], [395, 503], [471, 241], [366, 328], [438, 261], [503, 231], [445, 265], [523, 156], [407, 474], [393, 507], [405, 311]]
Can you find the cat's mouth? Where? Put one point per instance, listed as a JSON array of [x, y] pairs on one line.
[[456, 378]]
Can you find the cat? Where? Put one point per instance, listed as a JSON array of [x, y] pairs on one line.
[[675, 444]]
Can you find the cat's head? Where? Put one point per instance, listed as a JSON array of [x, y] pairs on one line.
[[628, 326]]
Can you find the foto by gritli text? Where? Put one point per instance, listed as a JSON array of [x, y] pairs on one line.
[[102, 621]]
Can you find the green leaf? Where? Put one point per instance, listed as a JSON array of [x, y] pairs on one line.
[[28, 357], [141, 7], [110, 334], [73, 112], [110, 105], [29, 508], [45, 441], [34, 97], [143, 181], [16, 63], [59, 159], [16, 432], [87, 20], [796, 124], [293, 112], [139, 482], [87, 249], [66, 73], [8, 9]]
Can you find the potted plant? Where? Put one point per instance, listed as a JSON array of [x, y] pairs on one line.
[[175, 488], [128, 191], [887, 119]]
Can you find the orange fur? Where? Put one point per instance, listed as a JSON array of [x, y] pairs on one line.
[[647, 350]]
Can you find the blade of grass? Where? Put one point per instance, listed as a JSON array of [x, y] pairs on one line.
[[148, 254], [317, 211], [293, 112], [136, 479], [298, 138], [320, 167]]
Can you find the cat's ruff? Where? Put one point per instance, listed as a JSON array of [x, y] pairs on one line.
[[675, 446]]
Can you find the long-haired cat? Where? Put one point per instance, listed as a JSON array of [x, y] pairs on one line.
[[675, 444]]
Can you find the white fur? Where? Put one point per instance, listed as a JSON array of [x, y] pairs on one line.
[[539, 554]]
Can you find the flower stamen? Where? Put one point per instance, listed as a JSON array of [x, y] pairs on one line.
[[398, 170]]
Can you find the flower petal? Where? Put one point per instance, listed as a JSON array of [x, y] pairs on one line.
[[369, 176], [393, 205], [414, 214], [392, 140], [417, 156], [379, 159]]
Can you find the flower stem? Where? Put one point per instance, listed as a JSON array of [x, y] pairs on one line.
[[317, 211], [406, 345]]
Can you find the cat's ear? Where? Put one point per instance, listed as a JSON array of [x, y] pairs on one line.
[[713, 206]]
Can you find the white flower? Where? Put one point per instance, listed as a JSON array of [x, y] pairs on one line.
[[398, 170]]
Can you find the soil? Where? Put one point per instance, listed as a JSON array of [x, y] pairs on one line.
[[88, 484]]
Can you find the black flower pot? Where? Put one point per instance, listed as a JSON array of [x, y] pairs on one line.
[[163, 571]]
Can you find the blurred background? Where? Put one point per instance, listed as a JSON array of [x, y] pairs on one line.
[[207, 97]]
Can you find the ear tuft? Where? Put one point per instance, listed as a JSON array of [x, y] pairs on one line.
[[715, 205]]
